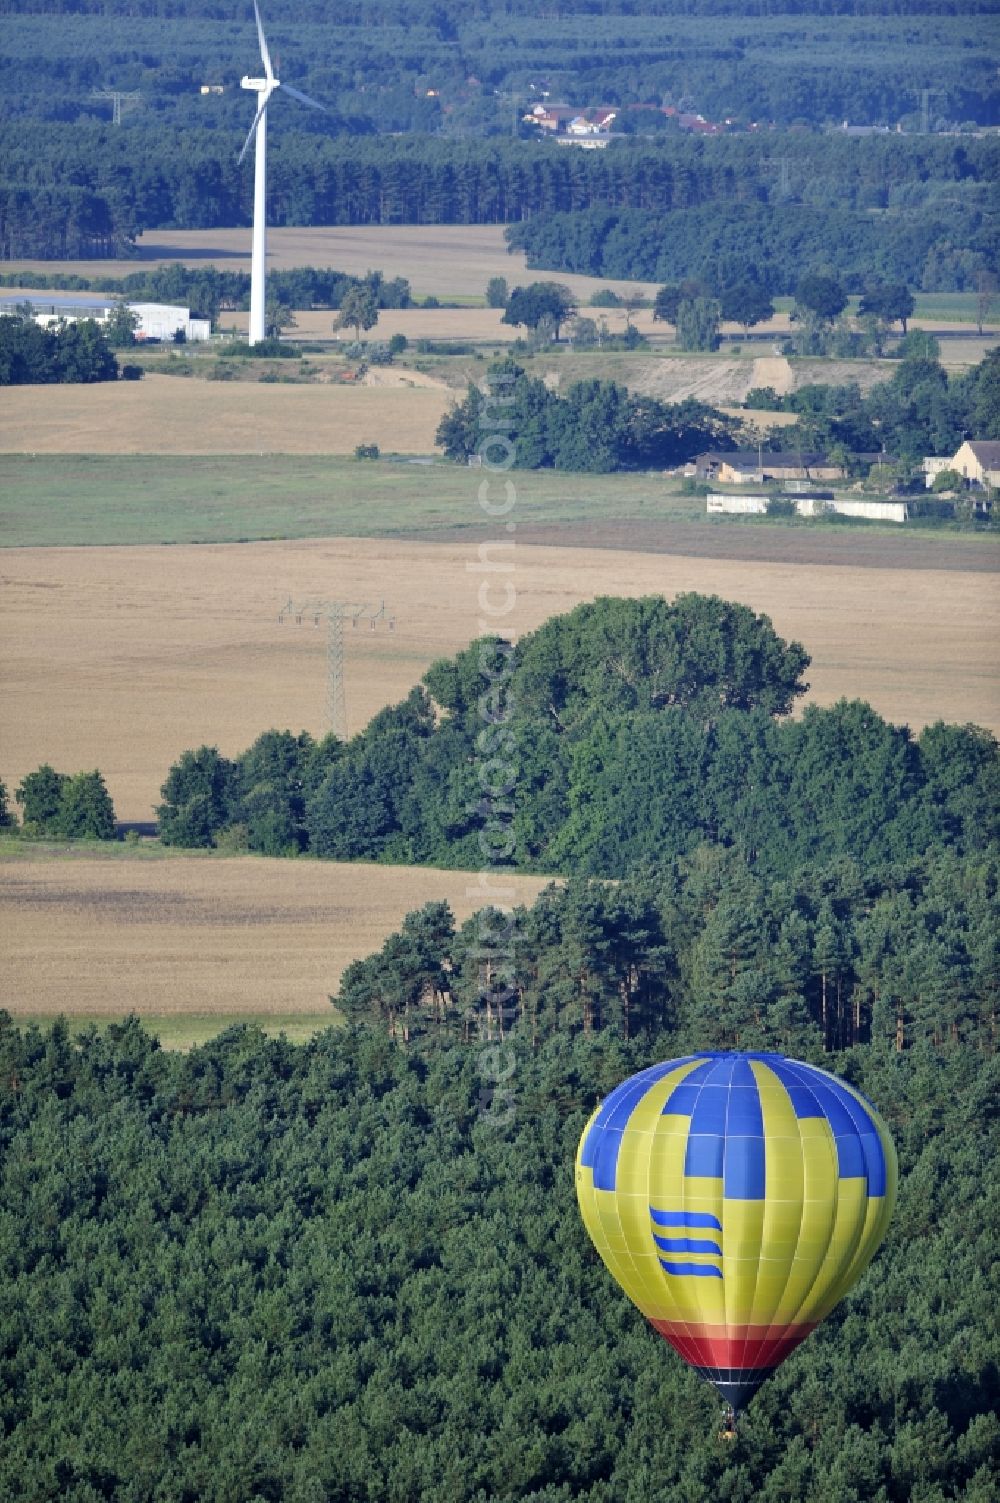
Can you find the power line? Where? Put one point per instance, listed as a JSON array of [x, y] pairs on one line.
[[335, 613], [118, 97], [781, 165]]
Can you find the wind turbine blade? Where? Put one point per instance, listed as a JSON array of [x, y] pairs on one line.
[[265, 56], [298, 94], [253, 129]]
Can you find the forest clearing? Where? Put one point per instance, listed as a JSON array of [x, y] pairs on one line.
[[181, 938], [120, 658]]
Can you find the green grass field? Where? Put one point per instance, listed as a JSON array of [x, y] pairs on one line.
[[68, 500], [63, 500], [949, 307]]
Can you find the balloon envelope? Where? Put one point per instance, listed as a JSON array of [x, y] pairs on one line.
[[736, 1197]]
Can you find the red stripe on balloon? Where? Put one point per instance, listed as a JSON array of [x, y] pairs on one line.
[[746, 1347]]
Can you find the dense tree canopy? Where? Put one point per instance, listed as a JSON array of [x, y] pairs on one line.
[[917, 209], [722, 244], [76, 807], [919, 411], [355, 1270], [623, 734], [593, 426], [31, 355], [411, 65]]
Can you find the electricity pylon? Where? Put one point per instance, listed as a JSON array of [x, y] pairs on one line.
[[926, 95], [118, 97], [780, 165], [335, 613]]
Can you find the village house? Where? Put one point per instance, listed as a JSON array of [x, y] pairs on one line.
[[978, 460], [551, 117], [753, 466], [592, 123]]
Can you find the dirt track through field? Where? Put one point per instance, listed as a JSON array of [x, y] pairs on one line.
[[193, 934], [120, 658]]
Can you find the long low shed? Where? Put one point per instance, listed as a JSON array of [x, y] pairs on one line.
[[730, 504]]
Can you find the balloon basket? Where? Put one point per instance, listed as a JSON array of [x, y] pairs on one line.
[[728, 1431]]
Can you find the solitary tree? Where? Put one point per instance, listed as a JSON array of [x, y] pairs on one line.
[[986, 296], [120, 327], [530, 305], [632, 302], [890, 301], [86, 811], [40, 798], [666, 304], [496, 292], [698, 324], [746, 303], [358, 309], [583, 333], [821, 295], [278, 315]]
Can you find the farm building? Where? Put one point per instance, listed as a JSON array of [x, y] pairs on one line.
[[156, 320], [726, 503], [979, 461], [933, 466], [750, 466]]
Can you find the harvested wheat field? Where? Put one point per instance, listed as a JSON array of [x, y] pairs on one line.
[[120, 658], [446, 260], [173, 415], [201, 935], [475, 325]]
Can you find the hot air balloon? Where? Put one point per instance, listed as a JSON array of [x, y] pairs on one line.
[[735, 1197]]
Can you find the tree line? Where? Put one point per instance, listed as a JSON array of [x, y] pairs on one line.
[[828, 957], [933, 191], [32, 355], [920, 410], [933, 247], [627, 733], [61, 805], [594, 425], [208, 291]]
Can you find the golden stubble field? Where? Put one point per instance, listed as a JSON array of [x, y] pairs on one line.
[[178, 415], [201, 935], [450, 260], [120, 658]]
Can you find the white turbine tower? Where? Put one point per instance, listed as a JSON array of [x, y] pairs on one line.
[[263, 88]]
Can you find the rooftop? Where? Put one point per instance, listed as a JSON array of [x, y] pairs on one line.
[[987, 451]]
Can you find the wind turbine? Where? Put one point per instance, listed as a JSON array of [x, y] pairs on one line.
[[263, 88]]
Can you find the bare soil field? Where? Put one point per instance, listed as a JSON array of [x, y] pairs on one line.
[[194, 935], [120, 658], [172, 415]]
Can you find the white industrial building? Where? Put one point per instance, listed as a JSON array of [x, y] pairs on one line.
[[161, 321]]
